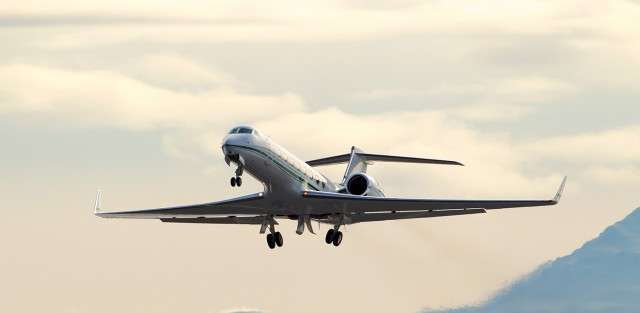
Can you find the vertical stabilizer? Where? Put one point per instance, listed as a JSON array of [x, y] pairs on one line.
[[357, 163]]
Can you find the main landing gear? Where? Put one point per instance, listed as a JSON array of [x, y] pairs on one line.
[[236, 181], [274, 240], [333, 236]]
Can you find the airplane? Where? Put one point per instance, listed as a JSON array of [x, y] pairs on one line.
[[296, 190]]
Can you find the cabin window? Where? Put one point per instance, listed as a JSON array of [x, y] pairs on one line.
[[244, 130]]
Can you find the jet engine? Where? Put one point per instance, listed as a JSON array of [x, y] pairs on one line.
[[361, 184]]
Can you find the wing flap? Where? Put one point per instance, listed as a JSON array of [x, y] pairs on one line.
[[377, 217], [242, 220]]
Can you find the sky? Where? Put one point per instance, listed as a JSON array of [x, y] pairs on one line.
[[134, 99]]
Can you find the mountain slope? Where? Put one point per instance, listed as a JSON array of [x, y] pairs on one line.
[[603, 276]]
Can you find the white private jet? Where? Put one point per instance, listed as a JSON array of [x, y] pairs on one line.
[[294, 189]]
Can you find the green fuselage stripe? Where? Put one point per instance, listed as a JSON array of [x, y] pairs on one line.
[[292, 173]]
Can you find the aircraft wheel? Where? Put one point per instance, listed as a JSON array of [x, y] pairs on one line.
[[239, 181], [337, 238], [278, 239], [329, 237], [233, 182], [271, 242]]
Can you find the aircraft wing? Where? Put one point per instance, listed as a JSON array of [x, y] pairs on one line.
[[243, 210], [331, 203]]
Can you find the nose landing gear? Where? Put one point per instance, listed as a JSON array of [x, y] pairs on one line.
[[236, 181]]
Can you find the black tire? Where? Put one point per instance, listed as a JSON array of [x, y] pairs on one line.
[[271, 242], [279, 240], [233, 181], [239, 181], [329, 237], [337, 238]]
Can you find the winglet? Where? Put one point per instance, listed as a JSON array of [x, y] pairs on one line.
[[556, 199], [98, 201]]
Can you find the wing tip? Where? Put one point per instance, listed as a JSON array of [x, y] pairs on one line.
[[98, 203], [558, 196]]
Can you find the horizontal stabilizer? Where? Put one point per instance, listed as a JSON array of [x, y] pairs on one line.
[[344, 158]]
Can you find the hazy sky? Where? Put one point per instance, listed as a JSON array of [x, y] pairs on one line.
[[134, 98]]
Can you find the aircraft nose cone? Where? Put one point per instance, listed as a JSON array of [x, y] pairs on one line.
[[229, 142], [225, 145]]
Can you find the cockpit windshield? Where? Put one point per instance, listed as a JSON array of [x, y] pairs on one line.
[[244, 130]]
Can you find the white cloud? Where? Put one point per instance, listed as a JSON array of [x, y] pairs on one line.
[[322, 20], [175, 72], [615, 146], [489, 112], [628, 175], [110, 98], [198, 119]]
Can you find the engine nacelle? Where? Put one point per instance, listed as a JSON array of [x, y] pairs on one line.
[[361, 184]]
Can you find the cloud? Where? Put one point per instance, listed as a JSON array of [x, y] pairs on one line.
[[489, 112], [109, 98], [508, 99], [194, 106], [176, 73], [67, 20], [602, 147], [316, 21]]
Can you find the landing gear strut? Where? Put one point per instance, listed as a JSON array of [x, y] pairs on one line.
[[237, 180]]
